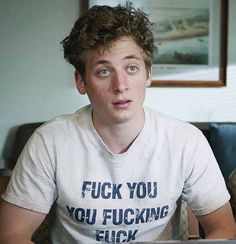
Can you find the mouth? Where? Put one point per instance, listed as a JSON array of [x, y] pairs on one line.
[[122, 103]]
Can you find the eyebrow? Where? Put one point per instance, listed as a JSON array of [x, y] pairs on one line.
[[132, 57], [103, 61]]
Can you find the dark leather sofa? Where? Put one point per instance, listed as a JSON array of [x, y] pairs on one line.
[[221, 137]]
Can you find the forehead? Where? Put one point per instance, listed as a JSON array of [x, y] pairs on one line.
[[118, 49]]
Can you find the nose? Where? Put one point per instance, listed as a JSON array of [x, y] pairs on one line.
[[119, 83]]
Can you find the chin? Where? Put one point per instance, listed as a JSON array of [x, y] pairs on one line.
[[122, 117]]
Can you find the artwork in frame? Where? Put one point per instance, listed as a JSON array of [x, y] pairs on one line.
[[191, 37]]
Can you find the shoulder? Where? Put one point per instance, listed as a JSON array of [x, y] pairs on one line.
[[66, 123], [63, 128], [171, 126]]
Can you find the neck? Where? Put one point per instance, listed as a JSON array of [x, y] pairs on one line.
[[119, 137]]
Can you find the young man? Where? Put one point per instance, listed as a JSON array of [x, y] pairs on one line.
[[114, 171]]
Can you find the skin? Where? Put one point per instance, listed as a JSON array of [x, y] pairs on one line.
[[115, 83], [219, 224], [18, 224]]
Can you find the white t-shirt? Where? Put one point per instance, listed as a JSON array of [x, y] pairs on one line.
[[104, 197]]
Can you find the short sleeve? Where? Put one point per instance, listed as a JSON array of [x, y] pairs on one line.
[[32, 185], [204, 188]]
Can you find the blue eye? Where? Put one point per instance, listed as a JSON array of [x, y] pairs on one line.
[[104, 72], [132, 69]]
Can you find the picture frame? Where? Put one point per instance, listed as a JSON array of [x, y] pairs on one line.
[[191, 38]]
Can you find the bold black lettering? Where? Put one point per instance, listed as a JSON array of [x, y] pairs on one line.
[[164, 211], [96, 190], [85, 187], [80, 214], [131, 235], [99, 235], [141, 190], [128, 220], [155, 214], [118, 236], [103, 192], [116, 191], [107, 213], [152, 191], [117, 216], [70, 210], [131, 189], [139, 216], [91, 217]]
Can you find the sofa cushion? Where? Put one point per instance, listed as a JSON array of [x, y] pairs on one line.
[[222, 138], [22, 136]]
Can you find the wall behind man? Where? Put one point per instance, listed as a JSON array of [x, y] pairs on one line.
[[36, 84]]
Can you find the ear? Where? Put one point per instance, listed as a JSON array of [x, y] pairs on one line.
[[80, 84], [149, 77]]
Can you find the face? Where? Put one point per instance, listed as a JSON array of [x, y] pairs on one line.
[[115, 82]]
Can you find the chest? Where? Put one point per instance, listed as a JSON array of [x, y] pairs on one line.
[[100, 187]]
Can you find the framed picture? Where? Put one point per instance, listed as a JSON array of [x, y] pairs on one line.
[[191, 37]]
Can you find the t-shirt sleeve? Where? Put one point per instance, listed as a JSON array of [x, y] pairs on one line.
[[32, 185], [205, 189]]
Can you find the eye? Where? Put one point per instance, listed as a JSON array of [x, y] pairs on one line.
[[132, 69], [104, 72]]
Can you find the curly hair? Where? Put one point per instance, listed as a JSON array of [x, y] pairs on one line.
[[100, 26]]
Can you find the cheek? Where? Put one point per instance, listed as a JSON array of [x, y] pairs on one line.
[[97, 94], [140, 90], [139, 86]]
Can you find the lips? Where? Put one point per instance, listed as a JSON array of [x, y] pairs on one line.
[[122, 103]]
